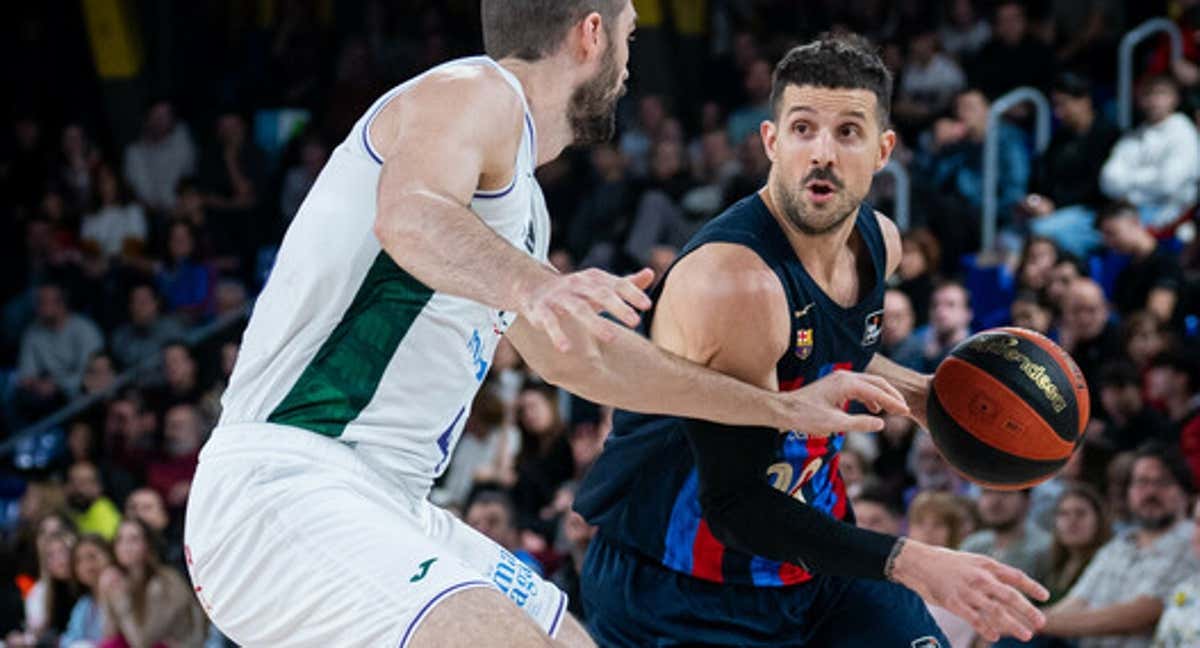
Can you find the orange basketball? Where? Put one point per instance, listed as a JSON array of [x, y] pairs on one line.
[[1007, 408]]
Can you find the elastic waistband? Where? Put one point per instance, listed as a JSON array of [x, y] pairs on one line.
[[242, 438]]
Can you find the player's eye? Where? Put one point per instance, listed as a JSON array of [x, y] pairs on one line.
[[800, 128], [849, 130]]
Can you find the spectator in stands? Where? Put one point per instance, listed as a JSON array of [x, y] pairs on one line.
[[181, 379], [854, 468], [147, 330], [210, 402], [660, 227], [99, 374], [1153, 279], [492, 514], [920, 262], [1014, 57], [48, 605], [898, 342], [77, 159], [949, 322], [232, 178], [146, 603], [1179, 626], [215, 243], [54, 352], [129, 433], [1144, 336], [1066, 270], [184, 279], [1037, 259], [92, 510], [229, 297], [1080, 529], [485, 441], [300, 178], [1029, 310], [171, 474], [573, 538], [1086, 331], [1157, 165], [931, 470], [714, 165], [148, 506], [939, 519], [746, 119], [1065, 186], [1174, 380], [1007, 535], [928, 82], [116, 226], [604, 211], [89, 558], [875, 509], [894, 446], [639, 137], [163, 155], [1119, 597], [40, 512], [1129, 420], [752, 158], [964, 32], [545, 460]]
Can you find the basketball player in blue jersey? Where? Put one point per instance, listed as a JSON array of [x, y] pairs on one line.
[[744, 536], [422, 242]]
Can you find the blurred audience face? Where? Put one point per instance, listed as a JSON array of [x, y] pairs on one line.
[[971, 108], [107, 187], [179, 367], [1122, 401], [143, 306], [949, 313], [716, 151], [83, 485], [876, 517], [131, 546], [929, 529], [148, 506], [536, 412], [1158, 100], [1076, 522], [1003, 511], [89, 561], [898, 318], [930, 468], [183, 431], [231, 130], [1146, 340], [651, 113], [1028, 313], [1156, 500], [608, 162], [1039, 259], [667, 160], [313, 156], [1074, 112], [57, 556], [1085, 312], [1123, 233], [230, 296], [160, 120], [923, 46], [1061, 276], [80, 440], [51, 306], [180, 243], [493, 520], [962, 13], [99, 374], [1010, 23], [1165, 383], [758, 81], [823, 160], [74, 143], [578, 532], [853, 468], [912, 260]]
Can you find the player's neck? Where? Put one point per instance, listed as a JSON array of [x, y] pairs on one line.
[[821, 254], [548, 95]]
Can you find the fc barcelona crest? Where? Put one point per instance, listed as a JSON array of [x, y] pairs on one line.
[[804, 343]]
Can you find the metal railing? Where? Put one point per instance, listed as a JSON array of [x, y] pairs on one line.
[[991, 171], [192, 338], [903, 198], [1129, 41]]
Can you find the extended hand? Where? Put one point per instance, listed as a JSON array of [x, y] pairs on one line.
[[584, 295], [817, 409], [981, 591]]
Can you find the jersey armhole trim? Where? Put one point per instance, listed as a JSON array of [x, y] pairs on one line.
[[500, 193], [429, 605]]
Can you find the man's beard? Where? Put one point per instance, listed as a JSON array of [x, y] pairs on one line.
[[592, 111], [792, 205], [1155, 523], [1007, 526], [79, 502]]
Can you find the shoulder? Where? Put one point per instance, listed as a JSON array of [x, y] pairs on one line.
[[891, 241], [726, 275]]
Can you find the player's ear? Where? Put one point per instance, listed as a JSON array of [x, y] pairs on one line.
[[887, 144], [591, 37], [769, 132]]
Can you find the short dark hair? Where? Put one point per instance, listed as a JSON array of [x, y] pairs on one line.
[[1170, 460], [534, 29], [842, 61], [1079, 264], [1119, 373], [488, 496], [1182, 361], [1115, 209], [1073, 85], [943, 284]]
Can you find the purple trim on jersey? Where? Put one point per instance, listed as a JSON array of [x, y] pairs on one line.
[[434, 601], [500, 193], [562, 605], [532, 138], [366, 132], [443, 441], [682, 527]]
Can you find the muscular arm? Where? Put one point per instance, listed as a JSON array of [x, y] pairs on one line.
[[447, 137], [1138, 615]]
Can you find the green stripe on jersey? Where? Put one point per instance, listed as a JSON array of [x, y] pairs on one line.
[[344, 375]]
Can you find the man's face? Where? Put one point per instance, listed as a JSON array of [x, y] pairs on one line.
[[1072, 111], [972, 110], [491, 519], [1158, 101], [592, 110], [825, 145], [1120, 233], [1002, 510], [143, 307], [898, 318], [182, 431], [1029, 314], [178, 366], [147, 506], [83, 485], [1086, 312], [874, 517], [1155, 498], [1059, 284], [51, 308], [1010, 24], [948, 310]]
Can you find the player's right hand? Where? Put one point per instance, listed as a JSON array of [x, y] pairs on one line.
[[988, 595], [583, 296], [818, 409]]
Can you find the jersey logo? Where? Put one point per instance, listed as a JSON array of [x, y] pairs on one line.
[[804, 311], [475, 347], [872, 328], [926, 642], [804, 343], [424, 569]]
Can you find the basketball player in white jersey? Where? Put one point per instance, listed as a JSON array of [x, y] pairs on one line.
[[421, 243]]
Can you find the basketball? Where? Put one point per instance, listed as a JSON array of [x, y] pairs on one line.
[[1007, 408]]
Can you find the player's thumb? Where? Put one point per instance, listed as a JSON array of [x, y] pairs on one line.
[[861, 423], [642, 279]]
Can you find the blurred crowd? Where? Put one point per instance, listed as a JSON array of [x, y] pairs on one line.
[[129, 263]]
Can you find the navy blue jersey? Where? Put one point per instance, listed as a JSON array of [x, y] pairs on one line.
[[642, 490]]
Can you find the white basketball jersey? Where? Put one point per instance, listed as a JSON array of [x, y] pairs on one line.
[[343, 342]]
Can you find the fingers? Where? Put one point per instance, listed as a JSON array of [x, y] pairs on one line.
[[1019, 609], [1017, 578], [543, 318], [858, 423], [971, 611], [641, 280], [876, 394]]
